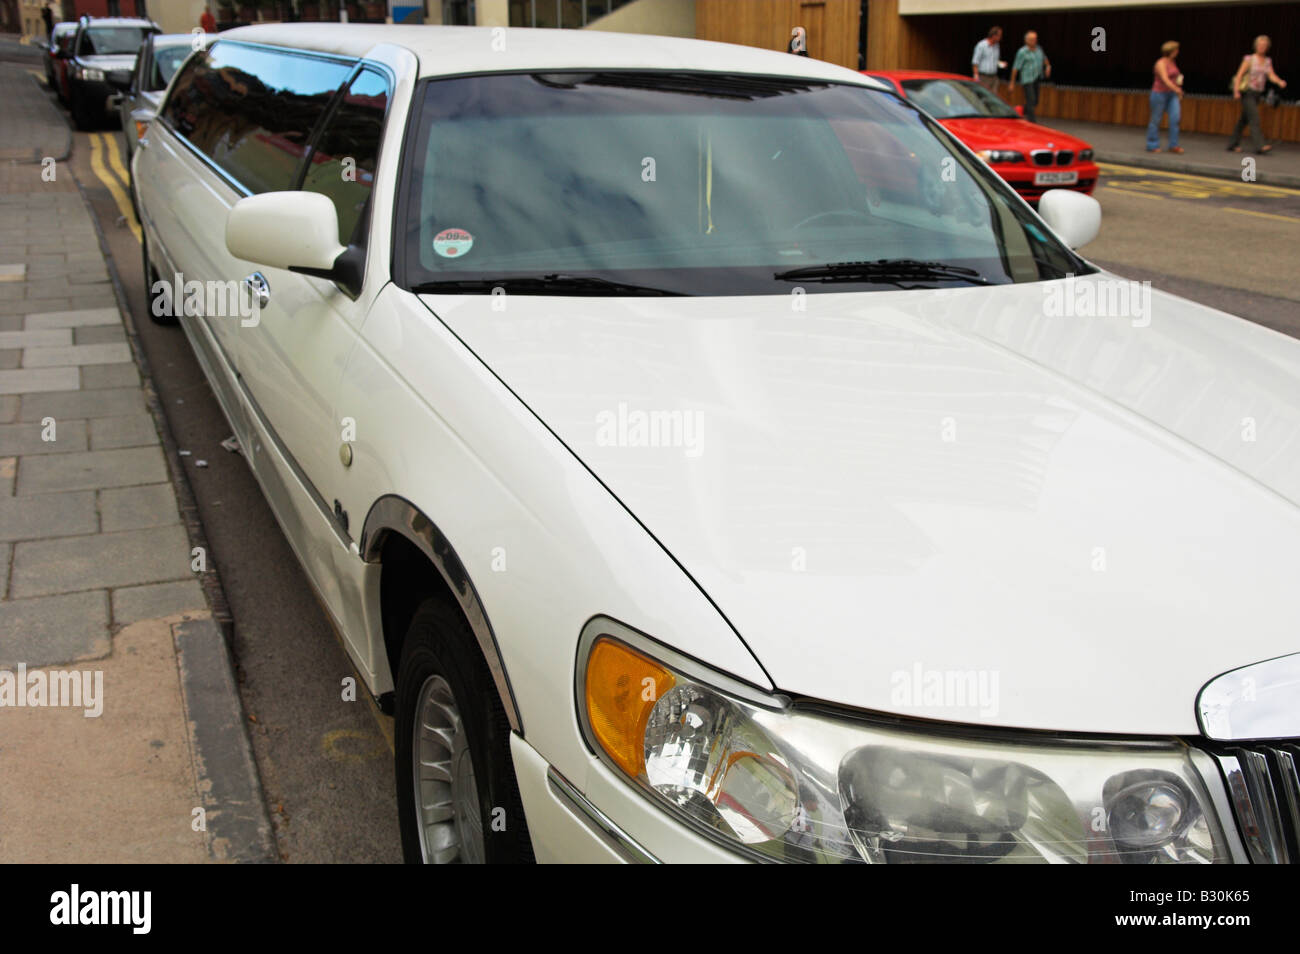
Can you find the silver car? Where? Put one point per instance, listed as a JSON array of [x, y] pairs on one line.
[[160, 56]]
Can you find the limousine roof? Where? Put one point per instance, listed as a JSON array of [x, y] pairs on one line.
[[454, 50]]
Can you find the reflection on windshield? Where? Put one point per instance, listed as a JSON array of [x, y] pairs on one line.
[[701, 184], [949, 99], [105, 41], [166, 62]]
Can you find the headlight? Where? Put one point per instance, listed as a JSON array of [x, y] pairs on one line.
[[790, 783], [1001, 155], [85, 73], [1085, 155]]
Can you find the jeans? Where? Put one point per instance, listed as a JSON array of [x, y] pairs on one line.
[[1162, 103], [1249, 116], [1031, 99]]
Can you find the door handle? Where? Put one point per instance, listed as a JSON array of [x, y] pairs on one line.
[[259, 288]]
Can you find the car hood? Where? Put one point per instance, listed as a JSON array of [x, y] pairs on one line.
[[1010, 134], [1089, 516]]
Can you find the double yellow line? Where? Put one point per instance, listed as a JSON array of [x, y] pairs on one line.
[[118, 180]]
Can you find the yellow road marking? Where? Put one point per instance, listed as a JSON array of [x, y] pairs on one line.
[[113, 148], [114, 187], [1223, 184], [1294, 220], [1264, 215]]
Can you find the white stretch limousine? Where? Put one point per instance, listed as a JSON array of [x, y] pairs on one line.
[[708, 458]]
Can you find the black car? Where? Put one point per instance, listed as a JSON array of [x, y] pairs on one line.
[[103, 60]]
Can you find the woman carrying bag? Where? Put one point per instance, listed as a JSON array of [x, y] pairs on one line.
[[1166, 97], [1248, 86]]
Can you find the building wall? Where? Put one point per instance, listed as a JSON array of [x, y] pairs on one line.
[[656, 17], [831, 25], [178, 16]]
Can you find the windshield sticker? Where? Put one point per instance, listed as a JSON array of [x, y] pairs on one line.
[[452, 243]]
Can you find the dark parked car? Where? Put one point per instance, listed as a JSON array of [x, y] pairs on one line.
[[57, 52], [103, 59]]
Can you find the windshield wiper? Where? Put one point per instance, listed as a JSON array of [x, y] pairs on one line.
[[884, 270], [555, 283]]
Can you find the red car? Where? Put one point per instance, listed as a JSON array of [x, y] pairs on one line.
[[1032, 158]]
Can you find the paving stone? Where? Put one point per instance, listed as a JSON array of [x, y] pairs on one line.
[[74, 319], [128, 558], [99, 334], [135, 508], [110, 376], [76, 354], [29, 380], [11, 322], [10, 359], [135, 430], [54, 629], [42, 337], [12, 272], [134, 603], [29, 438], [106, 402], [6, 553], [53, 473], [44, 516], [8, 470], [8, 408]]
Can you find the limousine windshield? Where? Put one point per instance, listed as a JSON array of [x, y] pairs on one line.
[[700, 184]]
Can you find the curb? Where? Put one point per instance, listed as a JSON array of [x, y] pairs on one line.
[[237, 821], [209, 579], [1262, 176]]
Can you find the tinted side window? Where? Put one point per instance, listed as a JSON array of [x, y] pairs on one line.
[[343, 164], [252, 110]]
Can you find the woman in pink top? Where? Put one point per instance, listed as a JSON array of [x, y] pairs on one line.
[[1166, 97], [1248, 86]]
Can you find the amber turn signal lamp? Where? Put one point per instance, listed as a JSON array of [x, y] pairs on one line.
[[140, 127], [622, 687]]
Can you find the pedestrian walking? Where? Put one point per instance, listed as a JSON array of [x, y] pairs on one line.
[[47, 17], [985, 62], [1248, 86], [1032, 66], [207, 21], [1166, 97]]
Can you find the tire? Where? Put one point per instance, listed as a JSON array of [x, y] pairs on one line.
[[158, 314], [130, 189], [442, 672]]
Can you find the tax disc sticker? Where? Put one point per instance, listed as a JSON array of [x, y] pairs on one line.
[[452, 243]]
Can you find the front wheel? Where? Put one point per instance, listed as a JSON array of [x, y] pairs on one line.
[[458, 802]]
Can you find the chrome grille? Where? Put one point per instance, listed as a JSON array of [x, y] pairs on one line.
[[1263, 780]]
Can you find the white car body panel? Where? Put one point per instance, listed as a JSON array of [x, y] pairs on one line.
[[823, 431]]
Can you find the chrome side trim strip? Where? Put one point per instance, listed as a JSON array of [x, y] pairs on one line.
[[393, 514], [616, 838]]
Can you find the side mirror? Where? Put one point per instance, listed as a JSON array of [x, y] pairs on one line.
[[1073, 216], [297, 231]]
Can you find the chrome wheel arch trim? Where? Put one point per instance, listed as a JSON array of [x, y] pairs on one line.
[[394, 514]]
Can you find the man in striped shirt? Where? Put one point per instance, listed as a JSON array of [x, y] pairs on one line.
[[984, 62]]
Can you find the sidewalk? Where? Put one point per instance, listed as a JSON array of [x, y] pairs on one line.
[[96, 573], [1205, 155]]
